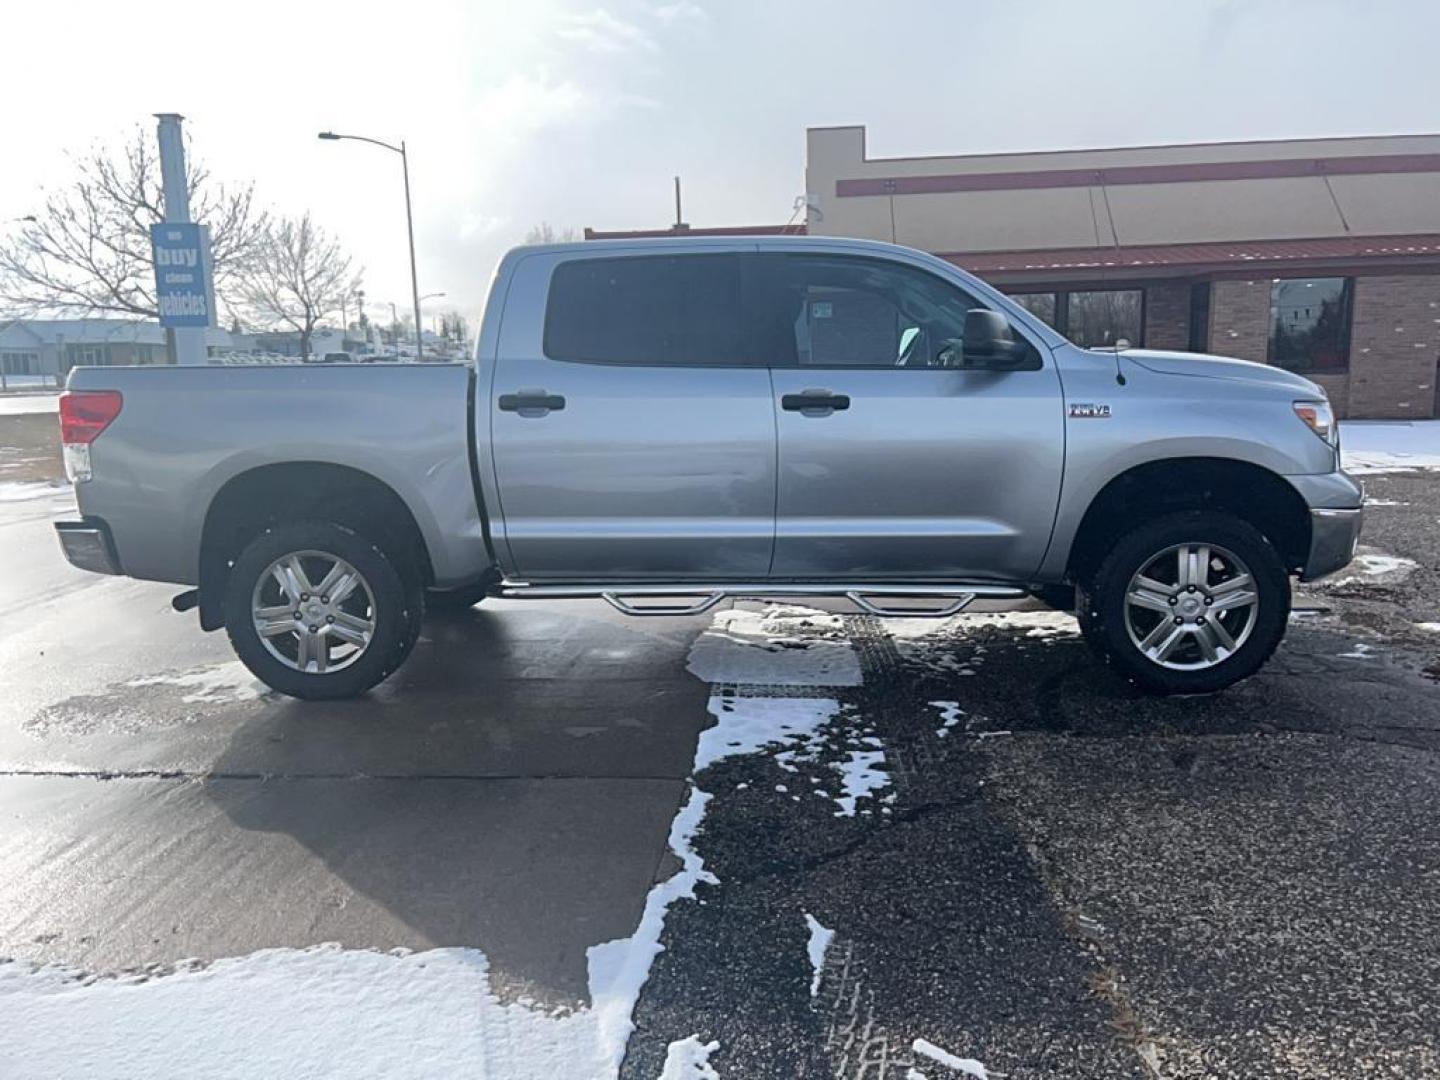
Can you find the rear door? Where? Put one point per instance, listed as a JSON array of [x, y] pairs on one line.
[[894, 463], [632, 435]]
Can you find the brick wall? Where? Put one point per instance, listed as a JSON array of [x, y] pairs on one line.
[[1394, 342], [1167, 316], [1240, 319]]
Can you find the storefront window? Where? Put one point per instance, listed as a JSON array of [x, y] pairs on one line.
[[1310, 323], [1040, 304], [1105, 317]]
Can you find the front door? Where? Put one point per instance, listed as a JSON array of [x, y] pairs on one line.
[[632, 437], [893, 462]]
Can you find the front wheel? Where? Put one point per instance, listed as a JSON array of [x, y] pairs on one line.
[[1188, 604], [316, 611]]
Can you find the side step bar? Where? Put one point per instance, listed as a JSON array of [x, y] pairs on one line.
[[948, 599]]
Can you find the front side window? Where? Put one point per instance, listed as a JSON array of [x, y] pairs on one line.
[[838, 311], [1105, 317], [662, 310], [1310, 323]]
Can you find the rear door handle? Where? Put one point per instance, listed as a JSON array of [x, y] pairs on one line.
[[531, 402], [814, 402]]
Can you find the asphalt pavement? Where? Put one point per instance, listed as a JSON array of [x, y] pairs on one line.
[[1045, 872]]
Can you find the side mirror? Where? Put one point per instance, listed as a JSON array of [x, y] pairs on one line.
[[988, 344]]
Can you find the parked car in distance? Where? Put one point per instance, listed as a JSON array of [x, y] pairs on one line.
[[668, 423]]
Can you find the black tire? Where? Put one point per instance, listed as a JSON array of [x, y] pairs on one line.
[[398, 610], [1102, 603]]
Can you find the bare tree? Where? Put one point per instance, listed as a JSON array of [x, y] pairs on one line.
[[298, 277], [545, 233], [88, 250]]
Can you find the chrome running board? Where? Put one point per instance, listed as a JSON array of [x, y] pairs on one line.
[[949, 599]]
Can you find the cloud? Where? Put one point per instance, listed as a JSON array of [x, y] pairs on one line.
[[680, 11], [601, 32]]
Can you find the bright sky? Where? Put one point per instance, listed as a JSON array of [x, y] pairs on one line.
[[579, 112]]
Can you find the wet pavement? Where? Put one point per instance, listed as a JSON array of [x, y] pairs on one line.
[[1038, 868]]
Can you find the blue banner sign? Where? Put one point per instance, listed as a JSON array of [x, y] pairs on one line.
[[184, 291]]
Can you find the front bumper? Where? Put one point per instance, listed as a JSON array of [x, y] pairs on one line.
[[87, 544], [1333, 536]]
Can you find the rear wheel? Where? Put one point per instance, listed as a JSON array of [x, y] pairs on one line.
[[1189, 603], [316, 611]]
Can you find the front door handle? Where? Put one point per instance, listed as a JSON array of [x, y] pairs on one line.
[[814, 402], [531, 403]]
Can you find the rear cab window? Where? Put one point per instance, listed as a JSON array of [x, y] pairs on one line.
[[658, 310]]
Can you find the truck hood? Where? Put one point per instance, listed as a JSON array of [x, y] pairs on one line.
[[1203, 366]]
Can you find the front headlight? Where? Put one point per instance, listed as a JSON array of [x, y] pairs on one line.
[[1319, 418]]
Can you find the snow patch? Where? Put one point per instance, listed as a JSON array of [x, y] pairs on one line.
[[689, 1059], [28, 404], [25, 490], [747, 725], [950, 715], [322, 1012], [618, 969], [221, 684], [1380, 447], [815, 948], [1037, 624], [769, 647], [860, 774], [968, 1066], [1361, 651], [1432, 627], [1371, 566]]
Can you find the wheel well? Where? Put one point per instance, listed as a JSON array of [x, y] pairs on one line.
[[1250, 492], [254, 501]]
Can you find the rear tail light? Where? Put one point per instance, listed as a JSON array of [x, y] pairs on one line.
[[84, 414]]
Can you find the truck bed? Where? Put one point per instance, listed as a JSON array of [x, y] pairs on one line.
[[184, 432]]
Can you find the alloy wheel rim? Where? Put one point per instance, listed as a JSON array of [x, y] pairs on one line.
[[1191, 606], [313, 612]]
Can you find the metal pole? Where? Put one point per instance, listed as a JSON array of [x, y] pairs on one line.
[[410, 227], [189, 340]]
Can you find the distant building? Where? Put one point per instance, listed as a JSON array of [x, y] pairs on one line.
[[54, 346], [1319, 255]]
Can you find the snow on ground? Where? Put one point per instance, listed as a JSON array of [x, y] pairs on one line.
[[1372, 566], [1036, 624], [816, 947], [220, 684], [747, 725], [689, 1059], [769, 647], [950, 715], [323, 1012], [618, 969], [27, 404], [1389, 446], [25, 490], [968, 1066], [861, 774]]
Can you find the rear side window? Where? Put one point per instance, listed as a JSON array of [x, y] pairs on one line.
[[671, 310]]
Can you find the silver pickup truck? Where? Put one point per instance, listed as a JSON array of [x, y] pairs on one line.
[[667, 423]]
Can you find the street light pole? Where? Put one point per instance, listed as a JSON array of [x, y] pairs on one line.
[[410, 228], [409, 217]]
